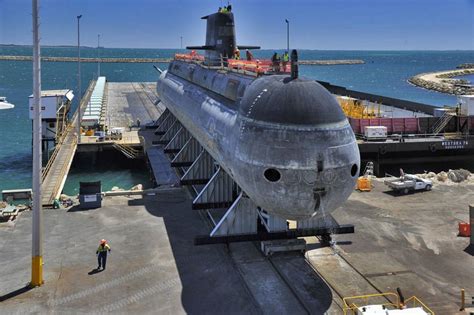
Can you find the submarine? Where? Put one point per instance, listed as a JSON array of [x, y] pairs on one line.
[[282, 138]]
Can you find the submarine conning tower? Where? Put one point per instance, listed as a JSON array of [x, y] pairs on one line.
[[220, 38]]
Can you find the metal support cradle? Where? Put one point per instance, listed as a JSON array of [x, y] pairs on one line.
[[235, 216]]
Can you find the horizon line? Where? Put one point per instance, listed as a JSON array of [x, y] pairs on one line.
[[284, 49]]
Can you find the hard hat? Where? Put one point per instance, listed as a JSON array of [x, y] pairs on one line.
[[103, 241]]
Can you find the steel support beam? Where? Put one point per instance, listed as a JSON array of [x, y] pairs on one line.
[[159, 121], [178, 141], [241, 218], [170, 133], [219, 192], [201, 171], [290, 234], [165, 124], [188, 153], [271, 222]]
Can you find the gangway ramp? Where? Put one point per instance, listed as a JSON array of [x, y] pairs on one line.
[[56, 170]]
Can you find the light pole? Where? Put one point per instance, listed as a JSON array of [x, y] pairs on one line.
[[37, 233], [98, 55], [181, 45], [79, 92], [287, 35]]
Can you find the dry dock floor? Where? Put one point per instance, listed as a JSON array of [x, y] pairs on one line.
[[154, 268], [400, 241], [407, 241]]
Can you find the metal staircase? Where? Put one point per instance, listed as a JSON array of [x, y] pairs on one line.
[[442, 122], [128, 151]]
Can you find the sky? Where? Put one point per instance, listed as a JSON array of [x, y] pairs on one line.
[[314, 24]]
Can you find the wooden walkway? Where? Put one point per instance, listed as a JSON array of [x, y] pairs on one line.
[[55, 172]]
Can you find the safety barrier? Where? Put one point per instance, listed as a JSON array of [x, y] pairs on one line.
[[255, 66]]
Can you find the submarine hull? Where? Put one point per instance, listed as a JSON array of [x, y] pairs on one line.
[[292, 170]]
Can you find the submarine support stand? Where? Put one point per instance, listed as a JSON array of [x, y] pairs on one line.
[[234, 215]]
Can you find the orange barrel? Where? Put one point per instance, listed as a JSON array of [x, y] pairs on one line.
[[364, 184], [464, 229]]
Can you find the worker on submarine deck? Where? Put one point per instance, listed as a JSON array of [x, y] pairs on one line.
[[225, 9]]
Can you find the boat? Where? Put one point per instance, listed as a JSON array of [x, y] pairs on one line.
[[4, 104]]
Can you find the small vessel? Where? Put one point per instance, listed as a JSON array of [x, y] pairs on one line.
[[4, 104]]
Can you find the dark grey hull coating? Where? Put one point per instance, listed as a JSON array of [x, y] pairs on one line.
[[318, 161]]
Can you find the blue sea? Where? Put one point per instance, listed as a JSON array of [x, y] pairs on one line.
[[384, 73]]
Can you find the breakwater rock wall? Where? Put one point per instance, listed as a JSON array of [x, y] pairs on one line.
[[465, 66], [166, 60], [443, 81]]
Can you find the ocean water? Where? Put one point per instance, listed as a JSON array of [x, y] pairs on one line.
[[384, 73]]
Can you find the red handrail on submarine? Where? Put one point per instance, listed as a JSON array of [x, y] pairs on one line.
[[258, 66]]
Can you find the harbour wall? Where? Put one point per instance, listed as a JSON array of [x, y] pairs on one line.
[[443, 81], [165, 60]]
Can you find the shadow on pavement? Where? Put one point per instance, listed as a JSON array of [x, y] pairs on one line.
[[15, 293], [470, 249], [77, 208], [208, 273], [94, 271]]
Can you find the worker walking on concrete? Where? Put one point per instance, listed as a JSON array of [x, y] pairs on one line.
[[102, 254]]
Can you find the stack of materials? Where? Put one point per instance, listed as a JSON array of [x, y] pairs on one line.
[[93, 110]]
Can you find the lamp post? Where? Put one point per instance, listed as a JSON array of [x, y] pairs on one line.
[[98, 55], [287, 35], [37, 229], [79, 92], [181, 45]]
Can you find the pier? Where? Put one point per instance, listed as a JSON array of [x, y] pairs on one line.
[[124, 104], [165, 60], [56, 170]]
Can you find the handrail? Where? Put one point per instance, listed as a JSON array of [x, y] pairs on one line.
[[62, 139], [417, 302], [62, 173], [350, 305], [255, 66]]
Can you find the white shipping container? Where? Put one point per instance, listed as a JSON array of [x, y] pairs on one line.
[[375, 132]]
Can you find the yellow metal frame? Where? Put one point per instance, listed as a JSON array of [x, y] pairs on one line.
[[350, 307], [355, 108]]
